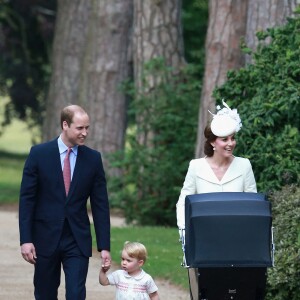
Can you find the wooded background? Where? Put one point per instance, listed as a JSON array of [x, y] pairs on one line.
[[147, 72]]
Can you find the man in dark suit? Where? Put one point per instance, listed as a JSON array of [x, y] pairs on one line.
[[53, 218]]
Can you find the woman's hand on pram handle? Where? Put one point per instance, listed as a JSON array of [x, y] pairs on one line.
[[181, 234]]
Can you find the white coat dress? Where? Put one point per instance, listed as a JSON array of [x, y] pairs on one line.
[[200, 178]]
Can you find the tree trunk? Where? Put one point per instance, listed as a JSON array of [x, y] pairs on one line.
[[90, 61], [225, 28], [157, 34], [108, 67], [230, 20], [263, 14], [68, 56]]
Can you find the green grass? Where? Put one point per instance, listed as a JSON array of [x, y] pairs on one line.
[[15, 144], [16, 138], [164, 251], [11, 166]]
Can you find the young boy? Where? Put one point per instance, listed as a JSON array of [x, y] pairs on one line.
[[131, 282]]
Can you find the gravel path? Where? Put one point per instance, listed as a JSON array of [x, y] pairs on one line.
[[16, 274]]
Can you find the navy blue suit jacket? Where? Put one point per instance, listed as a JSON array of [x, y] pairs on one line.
[[44, 206]]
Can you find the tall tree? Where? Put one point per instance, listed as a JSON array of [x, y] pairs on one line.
[[90, 61], [157, 41], [229, 22], [157, 34], [262, 15], [225, 27]]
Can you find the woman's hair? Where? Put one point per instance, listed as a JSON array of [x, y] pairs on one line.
[[210, 137], [136, 250]]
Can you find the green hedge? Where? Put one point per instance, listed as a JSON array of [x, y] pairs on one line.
[[283, 279], [267, 95]]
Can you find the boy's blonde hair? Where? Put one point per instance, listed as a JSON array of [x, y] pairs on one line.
[[136, 250]]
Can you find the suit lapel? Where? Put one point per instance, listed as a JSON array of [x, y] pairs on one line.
[[53, 158], [59, 170], [78, 167]]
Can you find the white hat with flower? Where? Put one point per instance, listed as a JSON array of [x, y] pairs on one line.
[[226, 121]]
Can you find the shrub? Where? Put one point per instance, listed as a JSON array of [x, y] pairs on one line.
[[266, 94], [283, 279], [159, 148]]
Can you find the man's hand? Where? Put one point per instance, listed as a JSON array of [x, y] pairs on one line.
[[106, 260], [28, 252]]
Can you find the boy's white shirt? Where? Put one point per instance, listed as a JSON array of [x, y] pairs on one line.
[[132, 287]]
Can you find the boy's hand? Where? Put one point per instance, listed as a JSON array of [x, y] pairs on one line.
[[105, 268], [102, 275], [105, 265]]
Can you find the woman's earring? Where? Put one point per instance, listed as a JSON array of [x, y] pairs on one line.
[[214, 148]]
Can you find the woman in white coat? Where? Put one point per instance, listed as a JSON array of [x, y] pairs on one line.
[[218, 171]]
